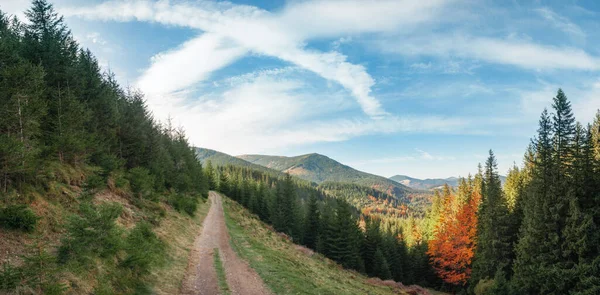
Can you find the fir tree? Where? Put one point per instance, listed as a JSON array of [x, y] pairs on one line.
[[312, 222], [494, 250]]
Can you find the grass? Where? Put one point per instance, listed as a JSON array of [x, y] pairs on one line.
[[286, 269], [223, 287], [179, 231]]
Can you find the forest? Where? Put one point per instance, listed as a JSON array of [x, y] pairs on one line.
[[537, 234], [68, 130]]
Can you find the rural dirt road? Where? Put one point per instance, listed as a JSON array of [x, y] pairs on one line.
[[201, 277]]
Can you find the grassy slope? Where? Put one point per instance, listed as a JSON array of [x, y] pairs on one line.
[[282, 265], [179, 232]]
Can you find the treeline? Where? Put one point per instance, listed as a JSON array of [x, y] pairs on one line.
[[536, 235], [329, 225], [58, 109], [67, 132]]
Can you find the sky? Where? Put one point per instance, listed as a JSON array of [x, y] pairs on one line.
[[421, 88]]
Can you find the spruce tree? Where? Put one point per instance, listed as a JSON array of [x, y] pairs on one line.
[[494, 250], [210, 176], [311, 223]]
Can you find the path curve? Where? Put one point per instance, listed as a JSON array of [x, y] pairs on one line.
[[201, 277]]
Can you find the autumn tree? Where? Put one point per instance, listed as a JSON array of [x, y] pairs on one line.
[[453, 247]]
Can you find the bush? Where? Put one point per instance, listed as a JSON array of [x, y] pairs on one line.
[[141, 181], [94, 182], [484, 287], [18, 217], [10, 277], [185, 203], [144, 249], [93, 233]]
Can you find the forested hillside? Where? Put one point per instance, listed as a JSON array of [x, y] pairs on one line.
[[424, 184], [319, 169], [536, 234], [86, 173], [97, 197], [367, 198]]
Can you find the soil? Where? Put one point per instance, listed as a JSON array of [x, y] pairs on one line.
[[201, 277]]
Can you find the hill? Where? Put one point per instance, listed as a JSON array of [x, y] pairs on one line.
[[287, 268], [222, 159], [424, 184], [430, 183], [319, 169]]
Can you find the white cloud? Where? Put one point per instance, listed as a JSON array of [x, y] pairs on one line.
[[520, 53], [561, 22], [95, 38], [429, 157], [283, 35], [585, 99], [180, 68], [264, 113]]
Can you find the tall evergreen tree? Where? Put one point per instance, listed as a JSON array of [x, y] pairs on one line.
[[311, 223], [494, 251]]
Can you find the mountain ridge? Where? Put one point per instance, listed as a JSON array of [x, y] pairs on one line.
[[319, 168]]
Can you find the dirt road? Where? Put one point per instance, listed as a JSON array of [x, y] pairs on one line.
[[201, 277]]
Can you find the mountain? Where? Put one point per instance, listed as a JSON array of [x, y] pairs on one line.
[[424, 184], [429, 183], [319, 169], [222, 159]]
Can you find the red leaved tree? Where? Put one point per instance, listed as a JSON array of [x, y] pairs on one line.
[[452, 249]]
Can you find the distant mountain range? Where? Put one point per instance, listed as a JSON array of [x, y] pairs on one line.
[[319, 169], [430, 183], [312, 167], [424, 184]]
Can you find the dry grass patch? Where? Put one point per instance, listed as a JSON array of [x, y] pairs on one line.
[[178, 230]]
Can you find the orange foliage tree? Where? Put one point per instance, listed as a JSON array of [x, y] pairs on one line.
[[452, 249]]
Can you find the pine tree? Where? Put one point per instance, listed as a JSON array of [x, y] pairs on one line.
[[210, 176], [21, 114], [224, 186], [381, 268], [494, 251], [311, 223]]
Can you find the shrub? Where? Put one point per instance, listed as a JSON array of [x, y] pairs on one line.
[[185, 203], [484, 287], [93, 233], [94, 182], [10, 277], [144, 249], [18, 217], [41, 272], [141, 181]]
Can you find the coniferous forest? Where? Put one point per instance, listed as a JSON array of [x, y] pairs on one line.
[[69, 131]]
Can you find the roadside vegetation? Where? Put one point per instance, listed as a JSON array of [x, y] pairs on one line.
[[285, 267]]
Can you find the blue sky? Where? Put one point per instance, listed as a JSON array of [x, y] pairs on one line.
[[423, 88]]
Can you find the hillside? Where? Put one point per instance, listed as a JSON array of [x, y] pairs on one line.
[[319, 168], [430, 183], [287, 268], [424, 184], [222, 159]]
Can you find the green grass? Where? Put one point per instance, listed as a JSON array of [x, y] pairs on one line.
[[283, 267], [223, 287]]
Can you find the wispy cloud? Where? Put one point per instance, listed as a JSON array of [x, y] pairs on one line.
[[560, 22], [180, 68], [520, 53], [283, 35]]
